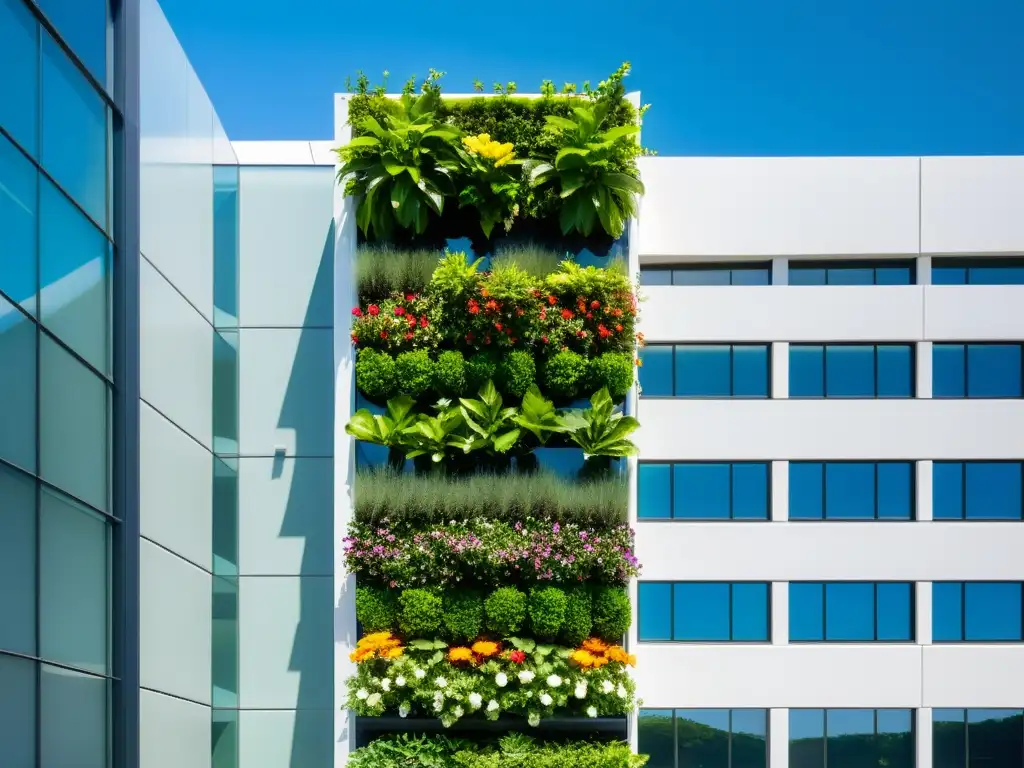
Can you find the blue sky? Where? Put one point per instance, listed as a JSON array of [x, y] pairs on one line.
[[726, 77]]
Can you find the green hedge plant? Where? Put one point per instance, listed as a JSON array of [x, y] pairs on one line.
[[421, 612], [579, 619], [516, 373], [375, 375], [463, 615], [376, 608], [449, 374], [414, 372], [612, 371], [563, 373], [505, 610], [547, 612], [612, 614]]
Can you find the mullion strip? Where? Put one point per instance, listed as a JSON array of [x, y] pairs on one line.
[[963, 612], [963, 490], [967, 371], [874, 358], [732, 515], [728, 751], [874, 621]]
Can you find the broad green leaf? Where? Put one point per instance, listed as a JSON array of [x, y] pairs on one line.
[[562, 123], [370, 124], [363, 427], [571, 157], [523, 644], [504, 442], [363, 141], [421, 645], [624, 182], [614, 134]]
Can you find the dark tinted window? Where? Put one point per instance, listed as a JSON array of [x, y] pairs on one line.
[[708, 274], [704, 612], [976, 370], [851, 273], [977, 611], [704, 738], [977, 490], [978, 271], [851, 370], [703, 491], [851, 612], [704, 370], [851, 738], [851, 490], [971, 738]]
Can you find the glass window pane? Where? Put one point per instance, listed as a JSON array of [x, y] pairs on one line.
[[895, 741], [752, 276], [851, 738], [895, 490], [74, 278], [947, 617], [894, 276], [700, 277], [654, 276], [992, 611], [654, 491], [83, 25], [949, 738], [74, 132], [225, 516], [995, 738], [948, 370], [654, 611], [895, 612], [997, 274], [701, 611], [656, 737], [750, 612], [850, 491], [806, 738], [225, 246], [701, 491], [18, 338], [949, 275], [806, 276], [806, 371], [74, 579], [17, 708], [17, 564], [849, 371], [750, 371], [805, 490], [703, 371], [225, 392], [993, 370], [993, 490], [947, 490], [73, 719], [18, 181], [851, 276], [806, 617], [19, 61], [750, 499], [749, 738], [655, 372], [225, 642], [703, 737], [895, 370], [225, 739], [73, 426], [849, 611]]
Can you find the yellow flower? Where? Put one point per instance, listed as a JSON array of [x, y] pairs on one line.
[[617, 653], [599, 661], [584, 658], [492, 150], [360, 655], [595, 645], [485, 648], [631, 660], [375, 640], [460, 654], [392, 653]]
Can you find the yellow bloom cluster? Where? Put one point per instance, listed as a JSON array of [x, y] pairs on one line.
[[485, 648], [460, 654], [493, 150], [380, 645], [595, 653]]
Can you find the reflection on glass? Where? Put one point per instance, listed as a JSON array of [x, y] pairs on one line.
[[703, 371], [18, 339], [701, 611], [17, 706], [654, 491], [655, 372], [17, 564], [850, 738], [949, 369], [225, 392], [701, 491], [993, 370], [807, 738], [225, 642], [854, 738], [654, 611], [225, 739], [19, 61], [83, 25], [995, 738], [656, 737], [225, 246], [18, 181], [949, 738], [225, 516], [73, 720], [703, 737]]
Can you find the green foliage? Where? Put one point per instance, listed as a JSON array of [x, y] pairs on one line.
[[433, 435], [492, 426], [536, 261], [604, 431], [612, 371], [376, 609], [480, 368], [547, 612], [387, 429], [505, 609], [449, 377], [517, 751], [563, 373], [421, 612], [414, 372], [463, 615], [375, 374], [578, 616], [612, 614], [489, 180], [516, 373], [382, 270], [407, 750], [538, 416]]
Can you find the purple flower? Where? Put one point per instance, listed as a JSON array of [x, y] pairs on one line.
[[556, 528]]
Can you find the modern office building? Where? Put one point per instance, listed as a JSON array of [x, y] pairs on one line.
[[828, 496]]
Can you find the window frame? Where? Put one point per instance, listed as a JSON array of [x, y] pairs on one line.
[[963, 492], [963, 615], [824, 493], [672, 492], [983, 262], [824, 345], [675, 728], [873, 264], [672, 612], [875, 710], [874, 623], [716, 266], [966, 723], [767, 345], [965, 347]]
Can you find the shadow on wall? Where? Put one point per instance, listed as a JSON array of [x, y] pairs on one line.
[[308, 410]]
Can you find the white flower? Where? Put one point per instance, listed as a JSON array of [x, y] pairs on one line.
[[419, 674], [403, 709], [447, 722], [362, 694], [492, 706], [606, 686], [591, 711], [581, 689], [373, 700], [438, 697], [440, 682], [400, 681], [554, 681], [545, 699], [476, 700], [501, 679], [438, 706], [621, 691], [385, 684], [533, 719], [458, 712], [526, 676]]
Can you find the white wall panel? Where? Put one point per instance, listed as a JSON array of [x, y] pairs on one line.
[[984, 676], [285, 739], [173, 733], [974, 312]]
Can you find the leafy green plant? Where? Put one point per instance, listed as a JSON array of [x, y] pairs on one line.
[[434, 435], [449, 374], [414, 372], [488, 181], [578, 616], [590, 182], [603, 431], [421, 612], [386, 429], [516, 751], [505, 609], [402, 170], [406, 750], [563, 373], [612, 614], [375, 374], [516, 373], [376, 608], [480, 368], [547, 611], [454, 277], [463, 615], [612, 371], [538, 416], [492, 427]]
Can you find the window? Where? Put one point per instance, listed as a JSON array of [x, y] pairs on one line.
[[976, 370], [18, 183], [851, 273], [708, 274], [704, 370], [698, 611], [851, 490], [19, 61], [968, 738], [849, 611], [851, 738], [17, 709], [83, 25], [17, 564], [708, 738], [72, 718], [977, 490], [225, 246], [977, 612], [704, 491], [18, 399], [851, 370], [978, 271]]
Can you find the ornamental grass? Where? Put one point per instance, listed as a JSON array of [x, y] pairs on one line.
[[382, 270]]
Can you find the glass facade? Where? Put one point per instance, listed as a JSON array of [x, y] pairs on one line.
[[692, 611], [852, 273], [705, 370], [971, 738], [709, 738], [851, 490], [851, 370], [977, 490], [977, 271], [851, 738], [841, 611], [977, 370], [977, 612], [703, 491], [708, 274], [58, 512]]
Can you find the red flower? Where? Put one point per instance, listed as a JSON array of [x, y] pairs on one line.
[[590, 315], [544, 339], [474, 308], [424, 322], [543, 314], [617, 312], [519, 311], [399, 311], [373, 309], [492, 305], [619, 327], [595, 304], [552, 300], [355, 339], [410, 297], [517, 657], [567, 314], [411, 320], [497, 326], [469, 336], [383, 334], [604, 332], [357, 311], [581, 334], [408, 336]]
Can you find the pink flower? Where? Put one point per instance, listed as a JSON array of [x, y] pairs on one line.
[[357, 311]]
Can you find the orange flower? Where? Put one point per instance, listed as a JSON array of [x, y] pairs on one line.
[[375, 639], [485, 648], [392, 653], [599, 661], [617, 653], [595, 645], [360, 655], [631, 660], [460, 654], [584, 658]]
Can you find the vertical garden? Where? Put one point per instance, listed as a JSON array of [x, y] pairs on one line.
[[495, 352]]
